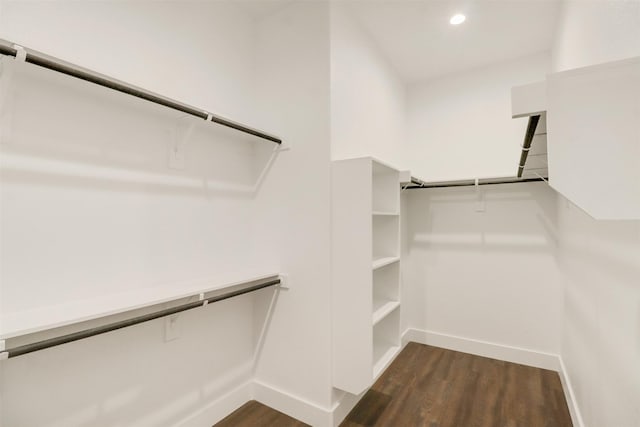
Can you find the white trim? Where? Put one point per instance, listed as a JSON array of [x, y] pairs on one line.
[[572, 403], [344, 405], [295, 407], [215, 411], [279, 400], [507, 353], [317, 416]]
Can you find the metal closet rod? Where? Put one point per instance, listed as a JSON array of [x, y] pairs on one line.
[[471, 182], [417, 182], [526, 145], [75, 336], [32, 57]]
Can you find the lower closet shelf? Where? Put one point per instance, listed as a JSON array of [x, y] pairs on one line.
[[20, 323]]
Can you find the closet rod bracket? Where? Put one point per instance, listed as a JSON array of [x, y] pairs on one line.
[[284, 282], [21, 53]]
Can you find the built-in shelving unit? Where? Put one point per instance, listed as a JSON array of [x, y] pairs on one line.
[[366, 271]]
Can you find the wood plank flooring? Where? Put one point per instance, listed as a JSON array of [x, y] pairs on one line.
[[433, 387], [255, 414]]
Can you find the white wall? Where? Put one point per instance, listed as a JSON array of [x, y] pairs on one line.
[[600, 344], [460, 126], [590, 32], [293, 207], [600, 259], [367, 96], [197, 54], [89, 206], [489, 276]]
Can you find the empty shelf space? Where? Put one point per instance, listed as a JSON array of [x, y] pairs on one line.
[[386, 192], [381, 262], [386, 236], [382, 308], [383, 355]]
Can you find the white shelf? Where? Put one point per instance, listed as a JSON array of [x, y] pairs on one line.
[[381, 262], [383, 356], [15, 324], [380, 213], [382, 309]]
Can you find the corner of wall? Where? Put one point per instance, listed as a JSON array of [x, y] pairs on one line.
[[569, 395]]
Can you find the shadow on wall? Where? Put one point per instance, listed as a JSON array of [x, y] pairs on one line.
[[481, 264], [143, 369], [496, 218], [92, 208], [61, 131]]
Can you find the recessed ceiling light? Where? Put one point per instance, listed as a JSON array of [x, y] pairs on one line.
[[457, 19]]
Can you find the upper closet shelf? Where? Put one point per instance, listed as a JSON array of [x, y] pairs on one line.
[[36, 58]]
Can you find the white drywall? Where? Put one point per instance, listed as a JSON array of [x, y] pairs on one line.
[[482, 266], [600, 347], [591, 32], [600, 259], [367, 96], [460, 126], [293, 206]]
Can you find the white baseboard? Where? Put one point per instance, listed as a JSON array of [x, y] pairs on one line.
[[570, 396], [507, 353], [219, 408], [295, 407], [317, 416], [346, 403], [279, 400]]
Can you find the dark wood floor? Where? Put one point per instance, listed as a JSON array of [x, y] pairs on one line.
[[255, 414], [433, 387]]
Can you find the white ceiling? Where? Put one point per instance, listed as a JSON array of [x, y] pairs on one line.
[[416, 37]]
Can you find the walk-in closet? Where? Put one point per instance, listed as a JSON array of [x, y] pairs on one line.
[[288, 213]]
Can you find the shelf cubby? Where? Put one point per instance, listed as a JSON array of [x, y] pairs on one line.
[[385, 230], [386, 341]]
